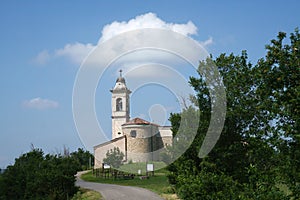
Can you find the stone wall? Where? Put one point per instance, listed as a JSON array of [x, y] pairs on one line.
[[142, 145], [166, 135], [139, 143], [101, 150]]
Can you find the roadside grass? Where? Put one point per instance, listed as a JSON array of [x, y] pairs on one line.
[[134, 167], [158, 183], [85, 194]]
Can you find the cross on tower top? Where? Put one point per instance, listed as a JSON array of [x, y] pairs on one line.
[[120, 72]]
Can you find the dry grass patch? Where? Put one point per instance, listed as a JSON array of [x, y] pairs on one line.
[[85, 194]]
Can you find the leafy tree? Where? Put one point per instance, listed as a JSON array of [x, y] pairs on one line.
[[114, 157], [35, 176], [259, 144], [85, 158], [2, 185], [278, 87], [207, 185]]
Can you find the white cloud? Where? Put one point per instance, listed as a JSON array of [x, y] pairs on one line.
[[42, 58], [148, 20], [40, 104], [147, 70], [75, 52], [133, 39], [207, 42]]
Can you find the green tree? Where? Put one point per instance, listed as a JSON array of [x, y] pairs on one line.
[[85, 158], [114, 157], [35, 176], [259, 144], [2, 185], [207, 185], [278, 87]]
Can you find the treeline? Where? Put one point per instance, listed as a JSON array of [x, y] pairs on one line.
[[258, 153], [38, 176]]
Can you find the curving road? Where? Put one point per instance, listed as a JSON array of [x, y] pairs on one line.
[[117, 192]]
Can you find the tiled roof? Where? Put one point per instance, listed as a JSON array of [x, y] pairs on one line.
[[139, 121]]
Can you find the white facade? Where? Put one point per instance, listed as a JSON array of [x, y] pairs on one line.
[[120, 106]]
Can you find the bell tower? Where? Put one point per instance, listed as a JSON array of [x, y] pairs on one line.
[[119, 106]]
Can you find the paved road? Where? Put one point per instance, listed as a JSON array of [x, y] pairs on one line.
[[117, 192]]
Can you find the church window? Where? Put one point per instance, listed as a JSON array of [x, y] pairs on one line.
[[119, 104], [133, 133], [119, 133]]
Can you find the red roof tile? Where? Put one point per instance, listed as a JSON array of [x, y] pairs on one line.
[[139, 121]]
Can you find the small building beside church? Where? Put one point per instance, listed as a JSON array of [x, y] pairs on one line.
[[138, 139]]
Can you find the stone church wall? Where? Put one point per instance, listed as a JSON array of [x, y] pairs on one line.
[[101, 150], [166, 135], [141, 145]]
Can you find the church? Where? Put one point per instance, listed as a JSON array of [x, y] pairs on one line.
[[138, 139]]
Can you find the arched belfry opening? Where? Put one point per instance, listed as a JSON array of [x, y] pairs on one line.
[[119, 105]]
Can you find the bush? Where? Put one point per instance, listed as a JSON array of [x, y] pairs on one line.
[[35, 176], [114, 157], [207, 186]]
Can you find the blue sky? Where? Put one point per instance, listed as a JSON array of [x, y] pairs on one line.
[[44, 42]]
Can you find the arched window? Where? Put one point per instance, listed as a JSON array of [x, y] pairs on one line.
[[119, 105], [133, 133]]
